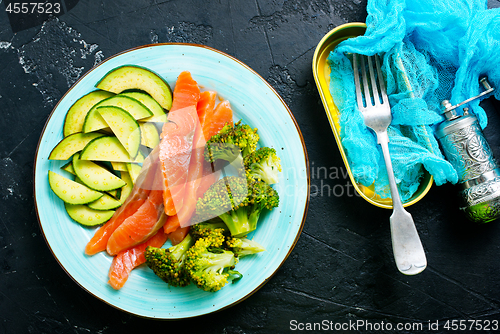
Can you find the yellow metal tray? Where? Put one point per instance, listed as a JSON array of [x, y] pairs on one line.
[[321, 72]]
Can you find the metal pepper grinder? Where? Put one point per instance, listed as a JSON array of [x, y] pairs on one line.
[[468, 151]]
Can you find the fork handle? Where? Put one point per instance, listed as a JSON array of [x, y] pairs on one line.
[[383, 140], [406, 245]]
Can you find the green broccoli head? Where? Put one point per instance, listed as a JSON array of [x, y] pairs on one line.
[[168, 263], [263, 164], [231, 144], [246, 138], [208, 265], [238, 202], [221, 197], [243, 246], [204, 228]]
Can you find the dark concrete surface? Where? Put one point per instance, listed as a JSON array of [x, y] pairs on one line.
[[341, 270]]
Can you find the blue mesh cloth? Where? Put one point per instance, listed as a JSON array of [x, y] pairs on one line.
[[431, 51]]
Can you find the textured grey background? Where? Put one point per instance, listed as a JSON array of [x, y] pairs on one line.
[[341, 268]]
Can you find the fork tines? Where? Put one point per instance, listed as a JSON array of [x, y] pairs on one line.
[[370, 88]]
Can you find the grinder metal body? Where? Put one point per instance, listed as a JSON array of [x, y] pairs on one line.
[[465, 147]]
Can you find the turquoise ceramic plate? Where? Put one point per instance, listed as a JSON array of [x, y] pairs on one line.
[[256, 103]]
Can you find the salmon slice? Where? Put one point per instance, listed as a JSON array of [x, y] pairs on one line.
[[206, 105], [175, 155], [142, 224], [125, 261], [201, 176], [136, 199], [178, 235], [222, 114], [205, 110], [177, 141], [186, 92], [171, 224]]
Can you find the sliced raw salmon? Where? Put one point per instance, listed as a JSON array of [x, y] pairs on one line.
[[138, 227], [206, 105], [136, 199], [201, 176], [171, 224], [178, 235], [208, 178], [186, 92], [177, 141], [175, 155], [125, 261], [205, 110], [222, 114]]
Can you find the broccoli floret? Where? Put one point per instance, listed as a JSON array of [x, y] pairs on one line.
[[238, 202], [247, 138], [244, 246], [234, 275], [203, 229], [263, 164], [221, 197], [231, 144], [168, 263], [208, 265]]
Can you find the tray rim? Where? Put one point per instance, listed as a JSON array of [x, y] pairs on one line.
[[325, 45]]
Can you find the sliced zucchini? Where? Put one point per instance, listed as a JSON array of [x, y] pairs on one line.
[[149, 135], [106, 202], [94, 176], [70, 191], [77, 180], [127, 189], [73, 123], [159, 114], [119, 166], [106, 148], [139, 159], [94, 121], [136, 77], [134, 170], [72, 144], [84, 215], [124, 126], [106, 131], [68, 167], [116, 193]]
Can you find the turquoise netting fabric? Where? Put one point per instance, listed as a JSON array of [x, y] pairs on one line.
[[431, 51]]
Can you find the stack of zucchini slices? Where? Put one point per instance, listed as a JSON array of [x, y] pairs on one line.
[[107, 134]]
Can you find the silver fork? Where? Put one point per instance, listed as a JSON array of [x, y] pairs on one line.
[[406, 245]]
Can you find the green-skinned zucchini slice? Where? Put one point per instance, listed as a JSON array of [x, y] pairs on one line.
[[159, 114], [94, 176], [72, 144], [135, 77], [106, 202], [75, 117], [70, 191], [124, 127], [108, 148], [86, 216], [94, 121]]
